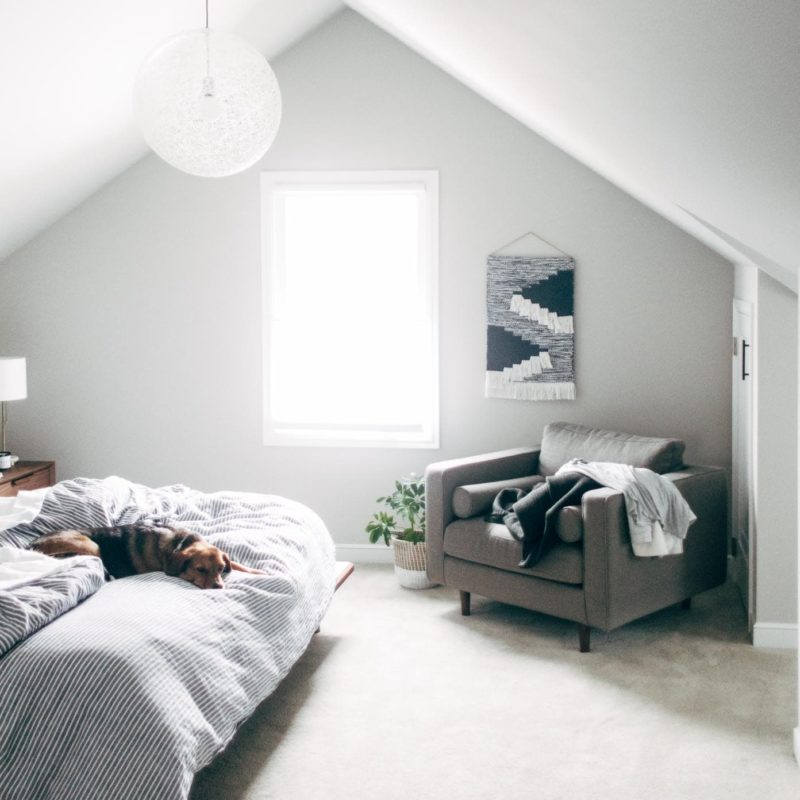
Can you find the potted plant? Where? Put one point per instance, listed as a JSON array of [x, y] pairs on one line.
[[403, 527]]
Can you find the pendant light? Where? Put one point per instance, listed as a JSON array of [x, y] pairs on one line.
[[207, 102]]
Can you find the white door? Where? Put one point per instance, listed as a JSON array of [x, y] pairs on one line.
[[742, 528]]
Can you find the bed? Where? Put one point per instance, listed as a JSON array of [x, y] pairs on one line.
[[139, 685]]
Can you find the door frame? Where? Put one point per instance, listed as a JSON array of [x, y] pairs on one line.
[[742, 369]]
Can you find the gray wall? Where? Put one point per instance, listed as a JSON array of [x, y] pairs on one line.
[[139, 312]]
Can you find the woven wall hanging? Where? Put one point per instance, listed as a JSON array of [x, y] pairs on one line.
[[530, 342]]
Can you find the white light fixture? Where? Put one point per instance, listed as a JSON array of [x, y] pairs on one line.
[[13, 386], [207, 102]]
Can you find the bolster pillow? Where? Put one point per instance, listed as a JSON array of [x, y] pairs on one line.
[[477, 498]]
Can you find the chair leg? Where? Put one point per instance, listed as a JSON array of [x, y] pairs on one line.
[[464, 604], [686, 604], [584, 634]]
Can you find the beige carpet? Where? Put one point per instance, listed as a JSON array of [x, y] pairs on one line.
[[401, 697]]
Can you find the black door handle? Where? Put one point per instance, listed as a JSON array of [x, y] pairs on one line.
[[745, 373]]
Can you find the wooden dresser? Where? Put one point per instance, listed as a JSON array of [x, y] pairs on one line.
[[27, 475]]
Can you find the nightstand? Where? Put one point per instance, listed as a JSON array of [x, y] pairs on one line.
[[27, 475]]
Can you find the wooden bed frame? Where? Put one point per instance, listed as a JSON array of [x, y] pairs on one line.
[[344, 569]]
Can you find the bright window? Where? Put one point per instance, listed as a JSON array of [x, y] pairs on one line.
[[350, 308]]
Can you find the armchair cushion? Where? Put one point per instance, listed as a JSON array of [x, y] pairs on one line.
[[570, 524], [563, 441], [492, 545], [475, 499]]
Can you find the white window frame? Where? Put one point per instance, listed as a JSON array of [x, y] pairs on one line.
[[298, 433]]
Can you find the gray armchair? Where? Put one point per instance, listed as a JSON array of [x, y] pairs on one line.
[[591, 576]]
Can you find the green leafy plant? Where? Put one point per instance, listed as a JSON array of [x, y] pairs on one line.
[[406, 517]]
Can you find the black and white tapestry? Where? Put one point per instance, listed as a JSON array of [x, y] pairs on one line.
[[530, 348]]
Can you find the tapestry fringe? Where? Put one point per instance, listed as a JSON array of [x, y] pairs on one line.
[[497, 385]]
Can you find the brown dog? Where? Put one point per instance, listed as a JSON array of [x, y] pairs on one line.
[[134, 549]]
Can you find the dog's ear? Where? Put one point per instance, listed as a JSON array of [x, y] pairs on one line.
[[178, 560], [227, 568]]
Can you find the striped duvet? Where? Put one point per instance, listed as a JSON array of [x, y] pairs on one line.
[[27, 607], [135, 689]]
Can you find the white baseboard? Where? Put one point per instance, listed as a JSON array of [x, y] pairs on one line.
[[364, 553], [782, 636]]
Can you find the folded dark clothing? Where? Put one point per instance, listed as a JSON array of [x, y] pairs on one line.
[[502, 504], [532, 517]]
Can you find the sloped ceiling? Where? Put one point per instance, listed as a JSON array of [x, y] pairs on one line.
[[66, 78], [692, 106]]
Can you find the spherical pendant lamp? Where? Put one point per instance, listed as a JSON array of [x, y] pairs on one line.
[[208, 103]]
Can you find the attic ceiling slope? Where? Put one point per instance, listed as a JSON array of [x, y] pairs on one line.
[[66, 77], [691, 106]]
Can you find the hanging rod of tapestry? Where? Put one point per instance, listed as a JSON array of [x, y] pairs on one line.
[[529, 244]]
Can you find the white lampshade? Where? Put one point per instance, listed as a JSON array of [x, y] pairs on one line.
[[208, 103], [13, 379]]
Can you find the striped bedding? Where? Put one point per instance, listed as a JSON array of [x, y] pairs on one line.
[[26, 607], [136, 688]]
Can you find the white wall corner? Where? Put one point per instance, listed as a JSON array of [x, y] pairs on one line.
[[797, 744], [364, 553], [775, 635]]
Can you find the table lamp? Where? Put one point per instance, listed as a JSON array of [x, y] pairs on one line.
[[13, 386]]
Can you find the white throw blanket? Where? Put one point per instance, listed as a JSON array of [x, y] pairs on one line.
[[658, 516], [18, 567], [24, 507], [22, 566]]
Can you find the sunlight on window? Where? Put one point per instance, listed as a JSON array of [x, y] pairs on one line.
[[351, 313]]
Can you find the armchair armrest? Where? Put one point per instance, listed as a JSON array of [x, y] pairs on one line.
[[443, 477], [619, 586]]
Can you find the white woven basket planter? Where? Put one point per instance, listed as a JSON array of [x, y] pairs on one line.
[[410, 564]]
